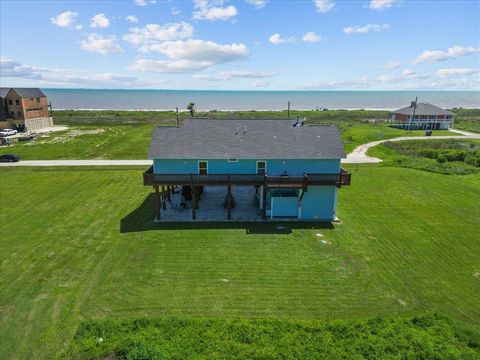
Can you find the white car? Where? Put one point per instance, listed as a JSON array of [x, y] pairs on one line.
[[7, 132]]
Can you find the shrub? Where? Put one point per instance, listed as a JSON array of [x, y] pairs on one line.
[[428, 153], [473, 159], [441, 158], [143, 351], [426, 336], [455, 155]]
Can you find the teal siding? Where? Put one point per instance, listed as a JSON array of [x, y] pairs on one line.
[[319, 203], [284, 206], [274, 167]]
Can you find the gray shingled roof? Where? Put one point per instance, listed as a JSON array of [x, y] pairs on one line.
[[26, 92], [423, 109], [245, 139], [4, 91]]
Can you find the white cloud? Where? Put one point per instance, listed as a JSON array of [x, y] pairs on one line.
[[311, 37], [391, 65], [365, 29], [154, 33], [234, 74], [406, 75], [387, 78], [213, 10], [276, 39], [190, 55], [99, 21], [12, 68], [201, 50], [261, 83], [361, 83], [145, 2], [446, 73], [381, 4], [324, 6], [167, 66], [65, 20], [452, 53], [463, 83], [101, 44], [132, 19], [390, 79], [258, 4], [67, 77]]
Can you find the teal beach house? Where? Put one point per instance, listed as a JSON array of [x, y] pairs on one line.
[[246, 170]]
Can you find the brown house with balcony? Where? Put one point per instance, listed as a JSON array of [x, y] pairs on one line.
[[24, 108]]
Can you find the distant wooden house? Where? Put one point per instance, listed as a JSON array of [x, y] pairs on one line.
[[24, 108], [422, 116], [292, 170]]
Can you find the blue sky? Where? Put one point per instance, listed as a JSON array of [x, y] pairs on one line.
[[244, 45]]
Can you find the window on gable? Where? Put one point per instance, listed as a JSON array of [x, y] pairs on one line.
[[261, 167], [17, 102], [203, 167]]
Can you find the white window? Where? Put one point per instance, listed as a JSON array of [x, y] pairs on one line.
[[203, 167], [261, 167]]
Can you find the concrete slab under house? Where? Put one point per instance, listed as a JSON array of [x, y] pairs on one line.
[[245, 170]]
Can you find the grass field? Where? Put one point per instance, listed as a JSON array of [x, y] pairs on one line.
[[127, 134], [467, 119], [407, 243], [445, 156], [87, 142]]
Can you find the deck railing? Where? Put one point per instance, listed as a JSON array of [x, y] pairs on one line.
[[343, 178]]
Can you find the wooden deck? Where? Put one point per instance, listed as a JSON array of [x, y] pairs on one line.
[[341, 179]]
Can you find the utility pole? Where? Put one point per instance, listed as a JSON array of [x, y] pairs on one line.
[[178, 124], [413, 116], [50, 108], [288, 111]]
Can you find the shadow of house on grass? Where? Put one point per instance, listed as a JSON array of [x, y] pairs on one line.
[[141, 219]]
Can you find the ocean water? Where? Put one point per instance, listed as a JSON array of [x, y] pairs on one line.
[[253, 100]]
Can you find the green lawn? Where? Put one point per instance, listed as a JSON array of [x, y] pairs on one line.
[[407, 243], [127, 134]]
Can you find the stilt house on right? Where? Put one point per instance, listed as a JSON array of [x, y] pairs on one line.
[[422, 116]]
